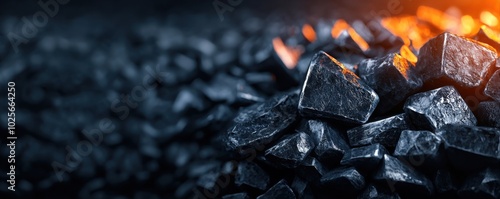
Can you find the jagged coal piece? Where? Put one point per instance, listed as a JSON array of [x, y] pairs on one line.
[[488, 114], [366, 158], [279, 190], [483, 184], [345, 181], [385, 131], [493, 86], [291, 150], [432, 109], [421, 149], [330, 146], [249, 174], [333, 91], [311, 169]]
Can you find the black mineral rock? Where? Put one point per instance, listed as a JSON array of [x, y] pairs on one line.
[[279, 190], [493, 87], [392, 77], [365, 158], [311, 169], [420, 149], [345, 180], [432, 109], [372, 191], [291, 150], [302, 188], [484, 184], [333, 91], [455, 58], [385, 132], [330, 146], [236, 196], [262, 123], [445, 183], [471, 147], [488, 114], [251, 175]]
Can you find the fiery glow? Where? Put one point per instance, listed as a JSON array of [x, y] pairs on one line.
[[410, 29], [488, 19], [406, 52], [288, 55], [358, 39], [437, 18], [341, 25], [493, 35], [401, 65], [309, 33]]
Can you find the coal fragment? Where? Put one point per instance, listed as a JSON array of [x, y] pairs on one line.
[[279, 190], [236, 196], [385, 131], [262, 123], [456, 58], [333, 91], [432, 109], [364, 158], [392, 77], [487, 35], [484, 184], [302, 188], [445, 183], [488, 114], [330, 146], [291, 150], [493, 86], [420, 149], [372, 191], [470, 147], [251, 175], [311, 169], [345, 180], [403, 179]]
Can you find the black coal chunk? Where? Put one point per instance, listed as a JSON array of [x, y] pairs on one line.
[[485, 184], [344, 180], [488, 114], [493, 86], [405, 180], [455, 58], [236, 196], [225, 88], [371, 191], [262, 123], [446, 184], [470, 147], [302, 188], [365, 158], [420, 149], [279, 190], [385, 132], [333, 91], [330, 146], [432, 109], [392, 77], [251, 175], [311, 169], [291, 150]]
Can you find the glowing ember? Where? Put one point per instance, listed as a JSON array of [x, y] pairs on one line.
[[493, 35], [400, 63], [488, 19], [410, 29], [441, 20], [309, 33], [341, 25], [406, 52], [288, 55]]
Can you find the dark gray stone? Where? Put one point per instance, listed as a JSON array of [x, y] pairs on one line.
[[251, 175], [445, 183], [333, 91], [493, 86], [385, 132], [488, 114], [279, 190], [330, 146], [471, 147], [311, 169], [291, 150], [393, 77], [456, 58], [262, 123], [236, 196], [420, 149], [365, 158], [432, 109], [302, 188], [343, 180], [373, 192], [403, 179], [484, 184]]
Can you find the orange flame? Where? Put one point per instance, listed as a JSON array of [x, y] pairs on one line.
[[488, 19], [406, 52], [408, 28], [341, 25], [288, 55], [493, 35], [309, 33], [401, 64]]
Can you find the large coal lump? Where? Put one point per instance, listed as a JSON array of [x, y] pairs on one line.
[[402, 178], [493, 87], [311, 169], [484, 184], [333, 91], [471, 147], [392, 77], [420, 148], [279, 190], [365, 158], [385, 131], [330, 146], [345, 180], [251, 175], [291, 150], [488, 114], [456, 58], [432, 109], [262, 123]]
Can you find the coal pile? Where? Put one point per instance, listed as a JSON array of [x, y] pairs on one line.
[[251, 108]]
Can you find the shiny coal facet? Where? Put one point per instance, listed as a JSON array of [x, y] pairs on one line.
[[311, 169], [333, 91], [484, 184], [279, 190], [420, 149], [399, 177], [365, 158], [343, 180], [236, 196], [493, 86], [456, 58], [262, 123], [251, 175], [385, 132], [392, 77], [302, 188], [432, 109], [291, 150], [471, 147], [488, 114], [330, 146]]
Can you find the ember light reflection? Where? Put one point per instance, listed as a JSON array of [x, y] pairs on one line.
[[288, 55]]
